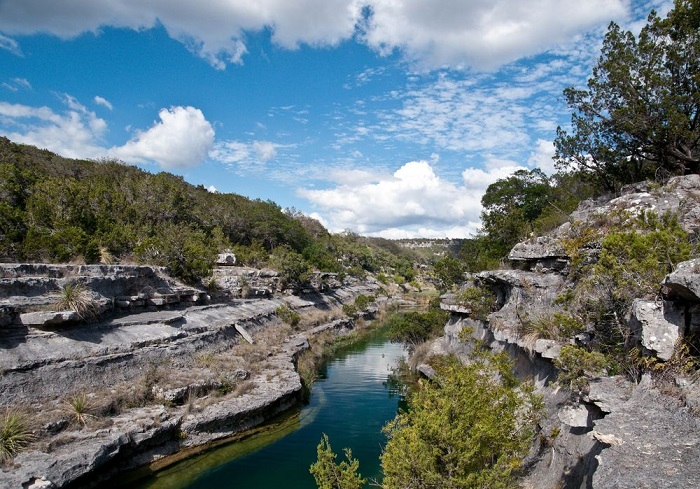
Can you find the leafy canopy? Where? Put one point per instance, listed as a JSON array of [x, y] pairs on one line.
[[640, 113]]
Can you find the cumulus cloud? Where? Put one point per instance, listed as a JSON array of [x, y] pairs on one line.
[[103, 102], [413, 201], [74, 133], [481, 33], [182, 139], [477, 33], [542, 157]]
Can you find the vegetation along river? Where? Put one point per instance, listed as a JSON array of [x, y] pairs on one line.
[[350, 402]]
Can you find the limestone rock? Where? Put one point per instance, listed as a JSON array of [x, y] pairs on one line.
[[548, 348], [660, 445], [48, 318], [609, 394], [226, 259], [660, 327], [681, 195], [684, 282], [575, 416], [542, 253]]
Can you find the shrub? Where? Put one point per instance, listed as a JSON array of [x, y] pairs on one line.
[[413, 327], [290, 317], [15, 435], [471, 428], [80, 409], [575, 364], [331, 475], [480, 300]]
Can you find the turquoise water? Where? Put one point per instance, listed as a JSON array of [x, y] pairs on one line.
[[350, 403]]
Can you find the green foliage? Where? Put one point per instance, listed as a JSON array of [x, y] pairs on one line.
[[511, 204], [639, 112], [480, 300], [294, 270], [290, 317], [413, 328], [331, 475], [575, 364], [470, 428], [448, 271], [15, 435], [557, 326], [635, 255], [514, 207]]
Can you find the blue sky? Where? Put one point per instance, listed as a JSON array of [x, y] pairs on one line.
[[388, 118]]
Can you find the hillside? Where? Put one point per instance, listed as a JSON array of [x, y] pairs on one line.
[[58, 210]]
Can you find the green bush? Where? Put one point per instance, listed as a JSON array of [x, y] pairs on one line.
[[575, 364], [15, 435], [480, 300], [470, 428], [288, 316], [331, 475], [413, 328]]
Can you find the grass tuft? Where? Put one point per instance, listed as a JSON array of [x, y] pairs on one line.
[[15, 435]]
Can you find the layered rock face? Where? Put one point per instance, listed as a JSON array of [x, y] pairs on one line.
[[620, 431], [160, 366]]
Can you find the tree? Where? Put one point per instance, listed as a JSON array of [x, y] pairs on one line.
[[511, 203], [470, 428], [448, 271], [330, 475], [640, 113]]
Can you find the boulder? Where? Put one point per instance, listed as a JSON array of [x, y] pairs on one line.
[[657, 327], [547, 348], [543, 253], [226, 259], [576, 416], [684, 282]]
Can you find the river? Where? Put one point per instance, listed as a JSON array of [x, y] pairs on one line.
[[350, 403]]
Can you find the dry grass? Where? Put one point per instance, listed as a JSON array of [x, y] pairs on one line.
[[75, 297], [80, 409]]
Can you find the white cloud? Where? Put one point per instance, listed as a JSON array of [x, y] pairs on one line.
[[10, 45], [482, 33], [541, 157], [212, 189], [250, 156], [103, 102], [414, 201], [182, 139], [17, 84], [74, 133], [477, 33]]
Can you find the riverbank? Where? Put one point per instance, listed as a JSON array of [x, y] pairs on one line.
[[157, 381]]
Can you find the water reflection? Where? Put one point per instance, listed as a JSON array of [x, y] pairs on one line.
[[350, 403]]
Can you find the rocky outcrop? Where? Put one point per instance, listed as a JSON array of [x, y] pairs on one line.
[[615, 432], [681, 195], [172, 356]]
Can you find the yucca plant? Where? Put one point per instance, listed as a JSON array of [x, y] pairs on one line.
[[75, 297], [15, 435], [80, 409]]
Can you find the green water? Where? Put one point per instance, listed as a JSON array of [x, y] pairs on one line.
[[350, 403]]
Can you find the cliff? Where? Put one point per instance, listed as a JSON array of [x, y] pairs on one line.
[[632, 420]]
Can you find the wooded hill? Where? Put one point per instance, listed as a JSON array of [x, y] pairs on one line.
[[54, 209]]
